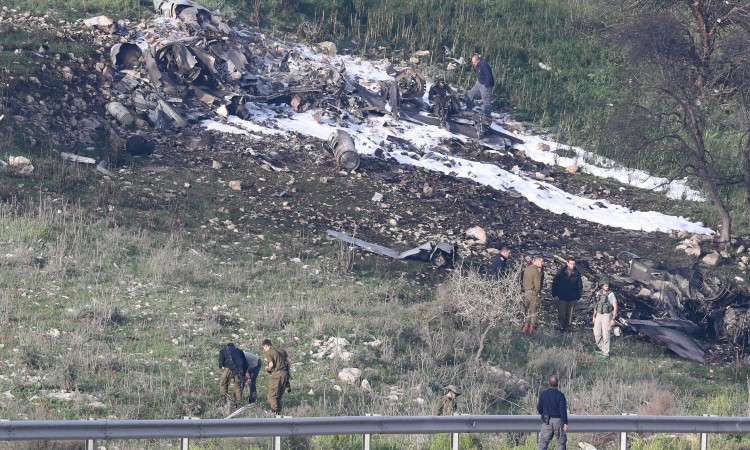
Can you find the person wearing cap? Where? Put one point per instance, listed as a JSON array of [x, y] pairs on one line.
[[605, 312], [553, 408], [449, 406]]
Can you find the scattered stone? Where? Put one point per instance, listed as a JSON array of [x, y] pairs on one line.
[[478, 234], [235, 185], [329, 47], [712, 259], [350, 375], [378, 197], [216, 165], [543, 147], [572, 168]]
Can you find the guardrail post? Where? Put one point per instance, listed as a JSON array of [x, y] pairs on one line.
[[624, 435], [454, 441], [90, 442], [367, 438], [185, 442], [704, 436], [277, 443]]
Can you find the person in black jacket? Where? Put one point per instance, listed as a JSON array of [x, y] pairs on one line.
[[483, 86], [233, 365], [567, 288], [500, 262], [553, 408]]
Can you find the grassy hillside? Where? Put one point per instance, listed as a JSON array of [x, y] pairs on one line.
[[117, 294]]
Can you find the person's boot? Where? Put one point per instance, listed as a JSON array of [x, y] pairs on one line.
[[525, 328]]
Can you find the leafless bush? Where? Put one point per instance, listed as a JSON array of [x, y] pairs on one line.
[[483, 303], [558, 361]]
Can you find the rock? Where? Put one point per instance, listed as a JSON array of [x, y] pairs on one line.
[[392, 222], [427, 190], [350, 375], [477, 233], [693, 251], [543, 147], [682, 234], [644, 293], [366, 385], [22, 164], [329, 47], [235, 185], [216, 165], [712, 259], [741, 249], [520, 154], [539, 176], [572, 168], [378, 197]]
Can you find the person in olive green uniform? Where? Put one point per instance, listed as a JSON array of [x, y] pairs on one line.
[[278, 367], [448, 406], [533, 277]]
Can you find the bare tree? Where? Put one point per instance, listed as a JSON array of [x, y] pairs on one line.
[[680, 76], [484, 303]]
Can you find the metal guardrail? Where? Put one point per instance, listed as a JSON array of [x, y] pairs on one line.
[[316, 426]]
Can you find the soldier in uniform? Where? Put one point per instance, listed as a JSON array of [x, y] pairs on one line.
[[605, 312], [533, 277], [233, 365], [278, 367], [448, 406], [444, 102]]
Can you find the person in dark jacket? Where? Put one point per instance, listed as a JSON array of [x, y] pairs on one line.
[[253, 369], [553, 408], [500, 262], [483, 86], [233, 364], [444, 102], [567, 288]]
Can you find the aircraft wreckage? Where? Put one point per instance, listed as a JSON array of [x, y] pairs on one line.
[[682, 306], [167, 78]]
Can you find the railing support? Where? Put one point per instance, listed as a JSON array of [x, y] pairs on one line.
[[624, 436], [366, 441], [90, 442], [454, 441], [704, 436], [277, 443]]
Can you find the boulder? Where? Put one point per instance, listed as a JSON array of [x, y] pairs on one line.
[[712, 259], [350, 374], [478, 234], [329, 47]]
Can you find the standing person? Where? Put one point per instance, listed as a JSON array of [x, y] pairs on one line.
[[444, 102], [278, 367], [533, 277], [483, 86], [567, 288], [605, 312], [500, 262], [233, 365], [448, 406], [253, 369], [553, 408]]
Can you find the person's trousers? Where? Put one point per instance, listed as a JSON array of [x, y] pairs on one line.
[[253, 383], [602, 331], [276, 390], [565, 313], [239, 384], [485, 92], [531, 306], [555, 428]]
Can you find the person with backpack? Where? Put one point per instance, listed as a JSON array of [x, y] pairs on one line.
[[278, 366], [605, 313], [567, 288], [233, 365]]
